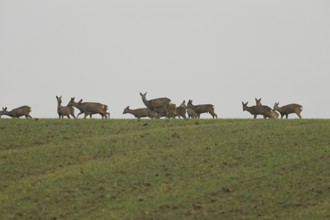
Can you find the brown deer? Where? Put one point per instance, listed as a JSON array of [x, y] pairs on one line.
[[17, 112], [139, 112], [288, 109], [158, 105], [64, 110], [199, 109], [90, 108], [181, 110], [191, 113], [263, 110], [258, 103], [171, 110]]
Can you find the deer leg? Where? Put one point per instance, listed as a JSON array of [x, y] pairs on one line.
[[286, 116], [79, 114], [299, 115]]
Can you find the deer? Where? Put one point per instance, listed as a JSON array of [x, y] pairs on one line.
[[199, 109], [139, 112], [191, 113], [263, 110], [158, 105], [17, 112], [259, 110], [181, 110], [258, 102], [288, 109], [171, 110], [64, 110], [90, 108], [274, 113]]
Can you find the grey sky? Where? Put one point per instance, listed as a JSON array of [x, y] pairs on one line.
[[217, 52]]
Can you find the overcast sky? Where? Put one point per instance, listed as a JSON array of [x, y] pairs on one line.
[[213, 52]]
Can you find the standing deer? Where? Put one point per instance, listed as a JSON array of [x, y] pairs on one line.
[[17, 112], [90, 108], [139, 112], [64, 110], [288, 109], [199, 109], [263, 110], [159, 105]]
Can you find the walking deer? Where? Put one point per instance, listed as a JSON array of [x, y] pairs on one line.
[[90, 108], [64, 110], [199, 109], [288, 109], [17, 112]]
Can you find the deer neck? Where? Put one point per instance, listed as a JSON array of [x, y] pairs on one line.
[[145, 101]]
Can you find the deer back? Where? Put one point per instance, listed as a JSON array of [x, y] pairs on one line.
[[158, 103], [17, 112], [94, 107], [290, 108], [264, 110], [138, 113], [198, 109]]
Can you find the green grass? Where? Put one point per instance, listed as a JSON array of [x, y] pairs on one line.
[[161, 169]]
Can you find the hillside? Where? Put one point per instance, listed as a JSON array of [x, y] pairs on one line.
[[164, 169]]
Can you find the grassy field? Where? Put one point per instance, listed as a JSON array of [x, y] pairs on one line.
[[164, 169]]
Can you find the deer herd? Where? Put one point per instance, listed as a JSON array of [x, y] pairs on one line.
[[156, 108]]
